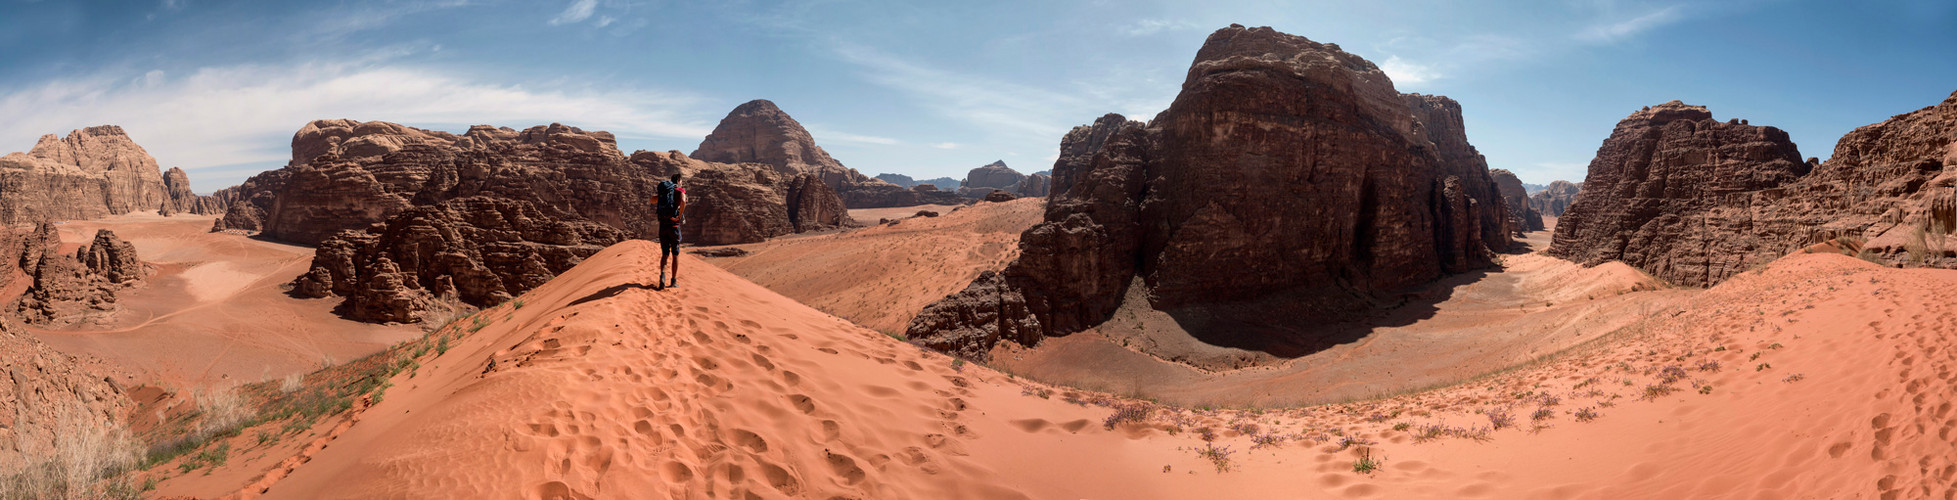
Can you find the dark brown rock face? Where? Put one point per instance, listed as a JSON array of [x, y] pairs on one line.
[[1555, 199], [760, 132], [247, 204], [363, 173], [112, 258], [481, 249], [1653, 183], [92, 173], [67, 288], [997, 196], [178, 199], [1285, 167], [1747, 198], [1522, 216]]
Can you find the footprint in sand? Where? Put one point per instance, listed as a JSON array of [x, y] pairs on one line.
[[845, 468], [780, 479], [751, 441], [555, 490], [803, 403]]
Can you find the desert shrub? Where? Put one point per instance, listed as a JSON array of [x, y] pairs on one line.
[[1218, 456], [1126, 413], [1585, 414], [88, 461], [1542, 414], [222, 410], [1366, 464], [1500, 418]]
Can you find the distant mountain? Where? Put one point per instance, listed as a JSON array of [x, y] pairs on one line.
[[1532, 188]]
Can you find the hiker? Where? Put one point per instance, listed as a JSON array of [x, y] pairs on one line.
[[671, 205]]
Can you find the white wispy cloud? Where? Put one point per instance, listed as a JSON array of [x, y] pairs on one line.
[[945, 145], [333, 23], [1610, 32], [577, 12], [1405, 72], [1147, 27], [227, 116], [984, 102]]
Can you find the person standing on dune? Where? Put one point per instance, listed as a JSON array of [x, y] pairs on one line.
[[671, 208]]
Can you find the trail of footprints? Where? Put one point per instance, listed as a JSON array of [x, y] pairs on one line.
[[1926, 393], [712, 412]]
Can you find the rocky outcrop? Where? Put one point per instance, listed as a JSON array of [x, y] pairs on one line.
[[1320, 184], [998, 196], [760, 132], [70, 288], [992, 175], [1554, 199], [363, 173], [1522, 215], [246, 204], [178, 198], [746, 202], [1655, 184], [900, 180], [1035, 186], [45, 394], [482, 250], [92, 173]]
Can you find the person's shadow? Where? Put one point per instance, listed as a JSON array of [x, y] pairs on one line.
[[613, 291]]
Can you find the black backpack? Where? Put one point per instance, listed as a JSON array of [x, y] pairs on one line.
[[669, 199]]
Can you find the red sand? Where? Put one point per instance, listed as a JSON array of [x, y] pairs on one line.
[[216, 312], [1833, 380]]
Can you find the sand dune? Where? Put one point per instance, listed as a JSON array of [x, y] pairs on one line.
[[1822, 376], [215, 312], [881, 276]]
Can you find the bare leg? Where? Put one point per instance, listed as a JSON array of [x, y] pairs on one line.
[[662, 269], [676, 270]]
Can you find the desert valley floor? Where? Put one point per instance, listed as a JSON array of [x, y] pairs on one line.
[[1542, 379]]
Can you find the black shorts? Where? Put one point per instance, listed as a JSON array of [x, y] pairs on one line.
[[669, 239]]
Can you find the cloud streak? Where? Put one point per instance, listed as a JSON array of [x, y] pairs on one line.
[[1621, 30], [227, 118], [577, 12]]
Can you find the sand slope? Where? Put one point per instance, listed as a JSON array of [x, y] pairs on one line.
[[215, 313], [600, 388], [881, 276]]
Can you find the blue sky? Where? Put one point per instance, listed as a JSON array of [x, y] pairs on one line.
[[218, 87]]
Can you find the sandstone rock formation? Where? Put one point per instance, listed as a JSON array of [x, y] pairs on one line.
[[1522, 216], [993, 175], [760, 132], [480, 249], [1285, 169], [1554, 199], [900, 180], [45, 394], [746, 202], [246, 205], [1695, 201], [178, 198], [91, 173], [69, 288], [999, 195], [1036, 185]]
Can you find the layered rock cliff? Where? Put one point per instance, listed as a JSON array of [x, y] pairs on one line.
[[92, 173], [1695, 201], [179, 199], [372, 193], [480, 249], [69, 288], [1553, 200], [1285, 169], [1522, 215]]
